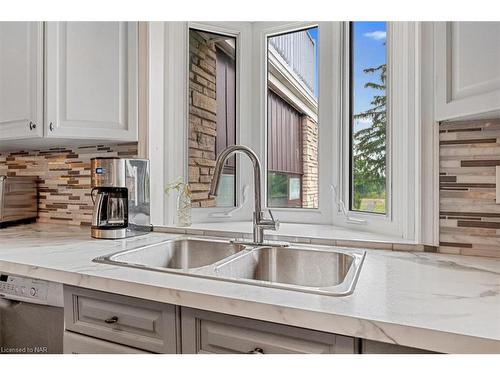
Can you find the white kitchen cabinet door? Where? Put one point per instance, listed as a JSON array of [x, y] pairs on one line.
[[208, 332], [21, 80], [91, 80], [467, 69]]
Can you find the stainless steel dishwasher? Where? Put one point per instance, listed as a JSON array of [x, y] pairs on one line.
[[31, 316]]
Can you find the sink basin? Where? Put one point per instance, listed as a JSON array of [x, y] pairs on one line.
[[319, 271], [176, 254]]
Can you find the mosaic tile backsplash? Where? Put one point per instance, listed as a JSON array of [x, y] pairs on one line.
[[64, 187], [469, 215], [469, 154]]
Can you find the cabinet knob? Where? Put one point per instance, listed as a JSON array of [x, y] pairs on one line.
[[111, 320], [256, 351], [32, 125], [51, 127]]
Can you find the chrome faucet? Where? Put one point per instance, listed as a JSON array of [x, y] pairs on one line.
[[259, 222]]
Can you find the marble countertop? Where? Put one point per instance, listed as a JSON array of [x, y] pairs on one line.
[[437, 302]]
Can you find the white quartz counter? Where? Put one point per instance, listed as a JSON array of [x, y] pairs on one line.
[[437, 302]]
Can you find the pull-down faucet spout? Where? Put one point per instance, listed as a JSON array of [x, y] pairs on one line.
[[259, 223]]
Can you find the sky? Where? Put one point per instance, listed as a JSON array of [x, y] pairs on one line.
[[314, 35], [369, 51]]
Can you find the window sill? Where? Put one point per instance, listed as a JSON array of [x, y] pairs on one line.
[[304, 233]]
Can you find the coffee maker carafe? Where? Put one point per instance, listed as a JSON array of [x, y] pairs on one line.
[[120, 192]]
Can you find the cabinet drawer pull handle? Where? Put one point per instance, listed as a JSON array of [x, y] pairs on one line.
[[256, 351], [51, 127], [111, 320]]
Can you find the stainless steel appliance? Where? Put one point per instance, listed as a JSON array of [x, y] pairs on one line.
[[120, 192], [31, 316], [18, 199]]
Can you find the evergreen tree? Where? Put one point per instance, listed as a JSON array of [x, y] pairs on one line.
[[369, 144]]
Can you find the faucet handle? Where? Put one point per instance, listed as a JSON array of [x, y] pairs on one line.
[[275, 222]]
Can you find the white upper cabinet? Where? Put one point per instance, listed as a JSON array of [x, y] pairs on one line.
[[21, 80], [91, 80], [467, 66]]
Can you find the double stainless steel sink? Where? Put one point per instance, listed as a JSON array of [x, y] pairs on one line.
[[313, 269]]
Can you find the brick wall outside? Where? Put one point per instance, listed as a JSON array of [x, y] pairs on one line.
[[202, 118], [203, 129], [310, 187]]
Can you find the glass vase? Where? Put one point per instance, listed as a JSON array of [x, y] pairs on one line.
[[183, 210]]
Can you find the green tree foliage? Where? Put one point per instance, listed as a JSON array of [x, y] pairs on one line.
[[369, 144]]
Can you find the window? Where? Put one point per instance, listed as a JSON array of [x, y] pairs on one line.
[[267, 89], [368, 117], [212, 115], [292, 120]]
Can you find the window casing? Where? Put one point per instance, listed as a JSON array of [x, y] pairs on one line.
[[401, 141], [292, 119], [333, 118], [376, 222], [212, 114], [242, 208], [329, 70]]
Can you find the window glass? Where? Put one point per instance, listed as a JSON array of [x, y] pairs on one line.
[[294, 188], [292, 120], [212, 115], [368, 67]]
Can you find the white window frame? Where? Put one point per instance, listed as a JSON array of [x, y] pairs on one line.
[[329, 40], [241, 31], [168, 113], [402, 140], [408, 214]]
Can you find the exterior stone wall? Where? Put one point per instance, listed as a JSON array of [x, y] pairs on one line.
[[202, 118], [310, 181], [203, 129]]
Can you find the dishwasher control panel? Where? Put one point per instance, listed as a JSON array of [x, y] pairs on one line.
[[23, 289]]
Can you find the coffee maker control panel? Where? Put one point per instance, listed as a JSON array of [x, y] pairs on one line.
[[108, 172]]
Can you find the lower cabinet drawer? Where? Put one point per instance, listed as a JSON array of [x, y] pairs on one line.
[[75, 343], [125, 320], [207, 332]]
